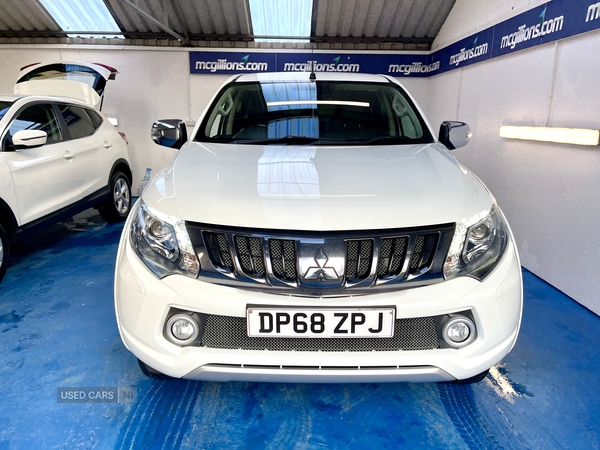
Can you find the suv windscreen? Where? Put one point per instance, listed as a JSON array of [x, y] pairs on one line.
[[321, 112], [4, 107]]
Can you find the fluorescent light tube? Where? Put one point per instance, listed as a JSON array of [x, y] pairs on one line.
[[577, 136], [319, 102]]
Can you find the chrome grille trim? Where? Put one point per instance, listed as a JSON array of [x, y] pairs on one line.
[[227, 332], [336, 263]]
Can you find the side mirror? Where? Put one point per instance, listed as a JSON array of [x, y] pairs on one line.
[[170, 133], [28, 139], [454, 134]]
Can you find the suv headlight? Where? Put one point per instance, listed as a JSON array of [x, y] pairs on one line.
[[163, 244], [477, 245]]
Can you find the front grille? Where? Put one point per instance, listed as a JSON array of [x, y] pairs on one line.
[[409, 334], [321, 263]]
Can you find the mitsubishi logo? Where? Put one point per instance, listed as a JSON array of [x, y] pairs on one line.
[[321, 272]]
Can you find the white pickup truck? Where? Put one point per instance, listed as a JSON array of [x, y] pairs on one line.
[[313, 228]]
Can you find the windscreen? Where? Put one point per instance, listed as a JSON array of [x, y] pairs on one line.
[[321, 112], [4, 106]]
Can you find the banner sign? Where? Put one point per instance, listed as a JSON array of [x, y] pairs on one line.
[[404, 64], [468, 51], [549, 22]]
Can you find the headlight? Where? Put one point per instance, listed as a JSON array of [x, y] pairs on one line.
[[477, 245], [163, 243]]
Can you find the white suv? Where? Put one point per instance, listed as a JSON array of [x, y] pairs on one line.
[[58, 155], [313, 229]]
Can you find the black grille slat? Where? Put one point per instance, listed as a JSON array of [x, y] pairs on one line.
[[415, 262], [218, 250], [409, 334], [359, 258], [400, 245], [391, 256], [424, 252], [352, 259], [250, 254], [366, 258], [283, 259]]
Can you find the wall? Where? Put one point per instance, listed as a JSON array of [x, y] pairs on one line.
[[549, 192]]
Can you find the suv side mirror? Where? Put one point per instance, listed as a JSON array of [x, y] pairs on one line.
[[170, 133], [454, 134], [28, 139]]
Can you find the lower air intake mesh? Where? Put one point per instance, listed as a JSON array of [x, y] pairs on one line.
[[409, 334]]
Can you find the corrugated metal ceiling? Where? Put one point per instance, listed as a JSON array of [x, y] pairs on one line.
[[368, 24]]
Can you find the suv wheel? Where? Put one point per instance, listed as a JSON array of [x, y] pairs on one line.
[[117, 207], [4, 251], [476, 379]]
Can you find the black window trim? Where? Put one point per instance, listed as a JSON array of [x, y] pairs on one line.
[[66, 136], [23, 108]]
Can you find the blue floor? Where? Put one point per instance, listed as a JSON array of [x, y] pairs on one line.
[[57, 329]]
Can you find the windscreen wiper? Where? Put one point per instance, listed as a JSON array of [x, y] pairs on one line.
[[391, 140]]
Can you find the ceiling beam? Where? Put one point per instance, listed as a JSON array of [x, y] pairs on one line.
[[155, 21]]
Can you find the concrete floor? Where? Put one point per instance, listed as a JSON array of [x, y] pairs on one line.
[[57, 329]]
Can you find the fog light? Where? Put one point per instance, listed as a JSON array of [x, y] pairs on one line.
[[182, 329], [458, 332]]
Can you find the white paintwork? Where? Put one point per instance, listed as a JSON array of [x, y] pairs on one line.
[[30, 138], [317, 188]]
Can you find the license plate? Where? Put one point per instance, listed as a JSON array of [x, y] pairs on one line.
[[267, 321]]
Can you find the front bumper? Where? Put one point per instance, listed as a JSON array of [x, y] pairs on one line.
[[142, 303]]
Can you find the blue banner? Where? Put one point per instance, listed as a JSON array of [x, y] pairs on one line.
[[397, 65], [468, 51], [223, 63], [558, 19]]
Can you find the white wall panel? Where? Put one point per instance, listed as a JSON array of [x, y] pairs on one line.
[[549, 192]]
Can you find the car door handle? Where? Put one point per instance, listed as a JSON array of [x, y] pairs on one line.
[[107, 144], [69, 155]]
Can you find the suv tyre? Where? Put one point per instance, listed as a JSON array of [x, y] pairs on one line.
[[117, 207]]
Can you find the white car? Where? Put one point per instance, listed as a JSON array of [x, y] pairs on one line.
[[59, 155], [314, 229]]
